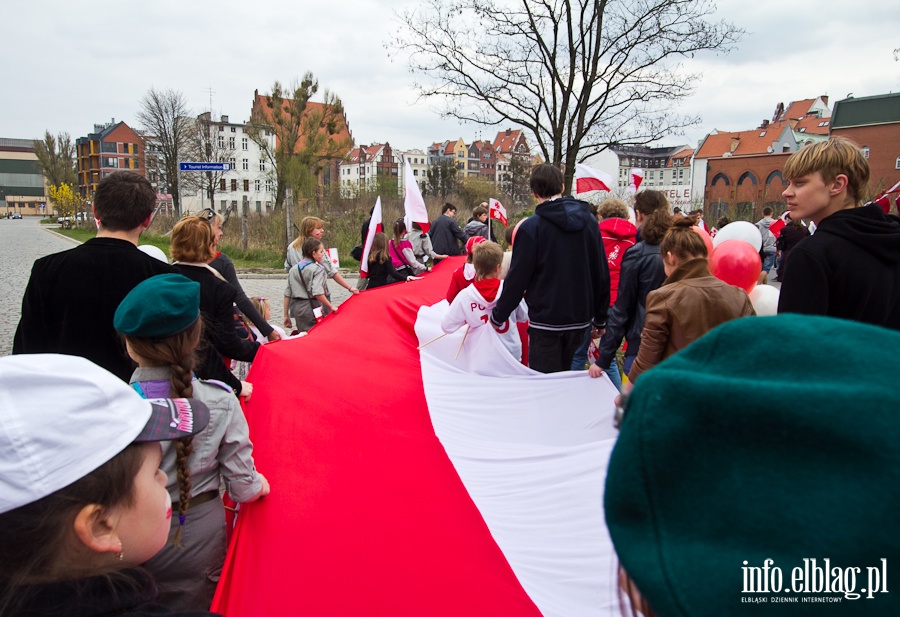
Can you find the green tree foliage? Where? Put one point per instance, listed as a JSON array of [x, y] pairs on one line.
[[56, 158], [308, 136], [580, 75], [441, 179]]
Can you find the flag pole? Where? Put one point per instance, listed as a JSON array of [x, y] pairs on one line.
[[465, 334]]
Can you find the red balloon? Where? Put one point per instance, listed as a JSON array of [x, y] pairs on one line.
[[737, 263], [707, 239]]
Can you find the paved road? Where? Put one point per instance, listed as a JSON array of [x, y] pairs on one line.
[[21, 242], [24, 241]]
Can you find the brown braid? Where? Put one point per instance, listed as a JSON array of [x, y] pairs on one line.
[[178, 351]]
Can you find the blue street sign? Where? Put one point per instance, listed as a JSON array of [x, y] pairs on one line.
[[204, 166]]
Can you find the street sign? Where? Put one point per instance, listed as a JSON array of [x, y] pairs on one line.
[[204, 166]]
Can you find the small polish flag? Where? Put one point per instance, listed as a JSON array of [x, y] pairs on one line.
[[778, 224], [884, 200], [375, 227], [637, 176], [497, 211], [589, 179], [413, 203]]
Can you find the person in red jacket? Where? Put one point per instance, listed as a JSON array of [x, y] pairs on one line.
[[464, 275]]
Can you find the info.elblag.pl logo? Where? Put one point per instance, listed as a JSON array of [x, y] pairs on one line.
[[814, 581]]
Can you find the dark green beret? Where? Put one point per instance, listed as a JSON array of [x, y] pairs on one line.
[[162, 305], [769, 438]]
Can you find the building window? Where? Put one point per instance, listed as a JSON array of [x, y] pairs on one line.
[[865, 151], [233, 164], [245, 164], [224, 205], [244, 144], [234, 185], [897, 164], [234, 205], [246, 186], [233, 129], [221, 141], [262, 165], [222, 185], [256, 184], [231, 143], [268, 205], [268, 188]]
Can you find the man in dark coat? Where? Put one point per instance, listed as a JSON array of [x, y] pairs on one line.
[[559, 266], [72, 296], [446, 236]]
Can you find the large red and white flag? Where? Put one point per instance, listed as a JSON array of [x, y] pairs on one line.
[[409, 500], [413, 202], [588, 179], [375, 226], [637, 176], [778, 224], [497, 211]]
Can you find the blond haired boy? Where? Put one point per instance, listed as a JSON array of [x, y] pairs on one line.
[[850, 268], [473, 305]]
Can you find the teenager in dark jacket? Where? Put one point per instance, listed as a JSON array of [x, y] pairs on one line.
[[558, 267], [642, 272], [850, 268], [446, 236], [71, 297]]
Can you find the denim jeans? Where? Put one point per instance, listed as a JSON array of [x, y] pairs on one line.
[[613, 373], [580, 359], [768, 261]]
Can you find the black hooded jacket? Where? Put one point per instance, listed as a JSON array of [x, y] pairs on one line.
[[850, 268], [559, 267]]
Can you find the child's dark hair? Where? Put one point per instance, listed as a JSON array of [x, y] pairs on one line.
[[310, 246], [479, 210], [657, 220], [447, 206], [35, 536], [379, 251], [682, 241], [179, 353]]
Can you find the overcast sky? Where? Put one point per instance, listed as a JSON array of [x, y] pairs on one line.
[[67, 65]]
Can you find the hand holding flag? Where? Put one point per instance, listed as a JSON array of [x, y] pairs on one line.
[[375, 226]]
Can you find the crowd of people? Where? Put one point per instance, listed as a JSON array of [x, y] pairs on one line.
[[116, 350]]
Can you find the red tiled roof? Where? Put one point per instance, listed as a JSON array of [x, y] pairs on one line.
[[451, 146], [262, 103], [507, 142], [811, 125], [756, 141], [684, 153], [797, 109]]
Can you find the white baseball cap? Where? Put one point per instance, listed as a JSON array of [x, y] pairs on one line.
[[62, 417]]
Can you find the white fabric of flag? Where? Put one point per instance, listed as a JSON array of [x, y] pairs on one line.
[[374, 223], [413, 202]]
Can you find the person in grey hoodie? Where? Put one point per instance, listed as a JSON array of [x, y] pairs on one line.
[[767, 252], [558, 266], [477, 225]]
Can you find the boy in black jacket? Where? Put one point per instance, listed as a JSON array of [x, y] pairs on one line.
[[558, 265], [850, 267]]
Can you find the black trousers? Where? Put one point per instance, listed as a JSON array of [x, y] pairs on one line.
[[552, 351]]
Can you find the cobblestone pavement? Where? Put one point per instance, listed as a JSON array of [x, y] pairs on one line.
[[21, 243], [24, 241]]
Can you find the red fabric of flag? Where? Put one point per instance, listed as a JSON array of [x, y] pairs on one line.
[[367, 515]]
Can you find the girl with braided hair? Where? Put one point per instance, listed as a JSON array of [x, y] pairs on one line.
[[160, 322]]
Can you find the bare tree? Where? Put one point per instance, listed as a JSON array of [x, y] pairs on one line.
[[208, 144], [308, 134], [580, 75], [165, 117], [56, 158]]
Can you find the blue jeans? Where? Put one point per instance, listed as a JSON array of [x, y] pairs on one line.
[[768, 261], [580, 359], [613, 373]]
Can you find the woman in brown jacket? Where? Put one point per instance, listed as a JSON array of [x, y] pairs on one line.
[[690, 303]]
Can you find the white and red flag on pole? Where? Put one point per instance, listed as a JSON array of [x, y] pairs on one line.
[[637, 176], [413, 203], [497, 211], [375, 226], [588, 179], [884, 200]]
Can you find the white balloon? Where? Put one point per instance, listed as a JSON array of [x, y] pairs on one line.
[[764, 299], [739, 230], [154, 251]]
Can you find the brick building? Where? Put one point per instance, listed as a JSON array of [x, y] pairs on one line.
[[873, 123], [112, 147]]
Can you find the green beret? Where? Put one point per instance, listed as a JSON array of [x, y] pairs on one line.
[[770, 438], [160, 306]]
